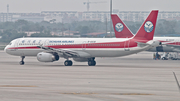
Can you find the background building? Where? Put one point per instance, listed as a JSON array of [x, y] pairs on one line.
[[71, 16], [104, 15]]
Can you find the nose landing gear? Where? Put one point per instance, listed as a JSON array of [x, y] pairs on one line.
[[22, 61]]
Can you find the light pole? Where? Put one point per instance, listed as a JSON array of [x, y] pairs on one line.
[[110, 16]]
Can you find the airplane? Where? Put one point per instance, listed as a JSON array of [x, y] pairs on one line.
[[167, 44], [83, 49]]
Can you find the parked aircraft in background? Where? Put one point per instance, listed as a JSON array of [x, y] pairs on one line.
[[84, 49], [167, 44]]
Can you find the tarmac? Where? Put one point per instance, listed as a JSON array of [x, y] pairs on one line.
[[131, 78]]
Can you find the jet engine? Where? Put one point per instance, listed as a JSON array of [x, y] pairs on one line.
[[47, 57]]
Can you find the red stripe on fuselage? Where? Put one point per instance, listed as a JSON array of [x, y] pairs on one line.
[[124, 44], [30, 47], [171, 43], [174, 43]]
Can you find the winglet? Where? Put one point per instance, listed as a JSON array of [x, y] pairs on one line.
[[146, 31], [120, 29]]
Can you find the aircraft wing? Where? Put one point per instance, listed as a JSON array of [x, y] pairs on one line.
[[175, 47], [141, 44], [171, 43], [67, 53]]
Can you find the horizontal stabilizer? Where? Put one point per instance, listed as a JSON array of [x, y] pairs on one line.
[[151, 43]]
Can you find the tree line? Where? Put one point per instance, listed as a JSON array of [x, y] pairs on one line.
[[12, 30]]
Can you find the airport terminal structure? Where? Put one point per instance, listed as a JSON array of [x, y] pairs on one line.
[[70, 16]]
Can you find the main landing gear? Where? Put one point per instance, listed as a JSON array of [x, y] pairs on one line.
[[68, 63], [22, 61], [92, 62]]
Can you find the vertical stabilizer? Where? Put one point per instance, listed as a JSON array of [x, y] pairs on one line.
[[146, 31], [120, 29]]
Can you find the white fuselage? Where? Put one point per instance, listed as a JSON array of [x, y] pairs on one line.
[[96, 47], [167, 44]]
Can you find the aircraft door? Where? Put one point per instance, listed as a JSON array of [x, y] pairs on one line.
[[177, 42], [16, 44], [46, 43], [126, 45], [84, 45]]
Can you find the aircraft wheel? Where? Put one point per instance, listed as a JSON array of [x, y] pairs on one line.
[[21, 62], [92, 63], [68, 63]]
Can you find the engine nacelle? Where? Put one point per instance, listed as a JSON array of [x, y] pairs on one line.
[[80, 59], [47, 57]]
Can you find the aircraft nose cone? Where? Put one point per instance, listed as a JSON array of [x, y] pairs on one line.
[[5, 49]]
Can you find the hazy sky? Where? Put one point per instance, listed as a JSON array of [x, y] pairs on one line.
[[36, 6]]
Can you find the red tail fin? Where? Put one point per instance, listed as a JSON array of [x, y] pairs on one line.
[[146, 31], [120, 29]]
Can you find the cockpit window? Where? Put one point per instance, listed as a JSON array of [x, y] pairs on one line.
[[10, 43]]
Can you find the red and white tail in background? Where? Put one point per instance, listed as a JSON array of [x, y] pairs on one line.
[[146, 31], [120, 29]]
